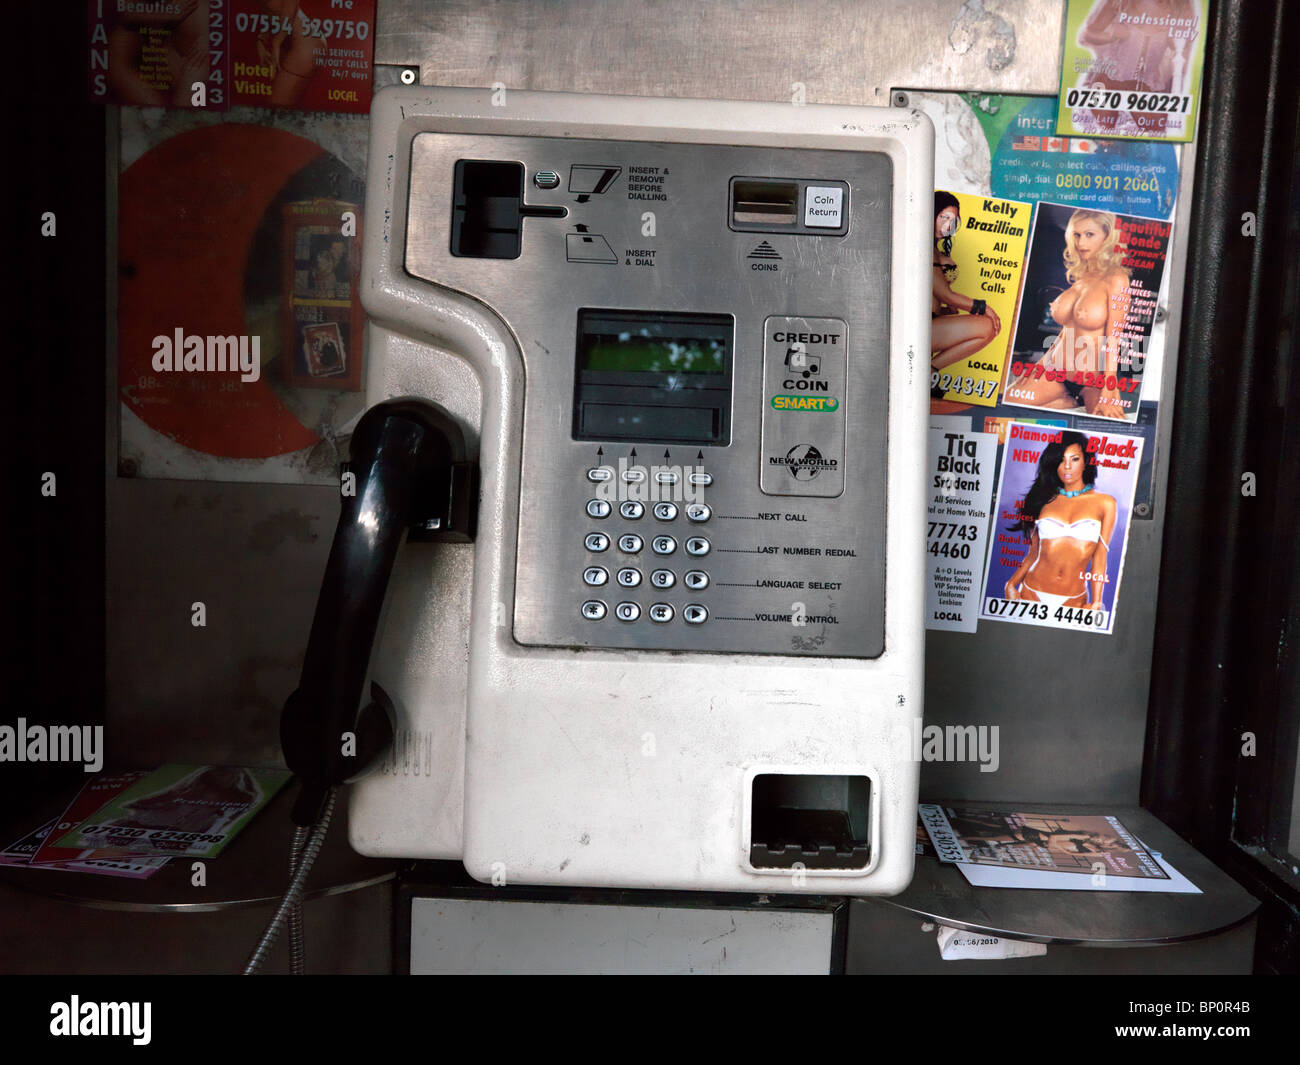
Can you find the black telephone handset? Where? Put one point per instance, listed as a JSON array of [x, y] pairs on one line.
[[412, 477]]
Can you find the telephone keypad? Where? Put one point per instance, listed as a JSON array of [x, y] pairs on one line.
[[630, 543]]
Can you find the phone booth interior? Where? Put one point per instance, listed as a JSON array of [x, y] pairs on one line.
[[1053, 719]]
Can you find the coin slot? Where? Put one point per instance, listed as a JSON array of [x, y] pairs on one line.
[[773, 203]]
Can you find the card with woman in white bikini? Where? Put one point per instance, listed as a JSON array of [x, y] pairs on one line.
[[1060, 531]]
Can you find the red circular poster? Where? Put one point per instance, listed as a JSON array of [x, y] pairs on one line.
[[190, 211]]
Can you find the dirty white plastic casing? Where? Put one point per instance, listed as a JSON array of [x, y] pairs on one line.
[[507, 755]]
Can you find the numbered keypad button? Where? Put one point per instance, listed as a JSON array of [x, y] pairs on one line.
[[663, 578], [630, 543], [598, 508], [694, 614], [631, 510], [627, 611], [629, 577], [595, 576], [666, 511], [661, 613], [697, 546], [597, 474], [593, 610], [696, 579], [663, 545], [698, 512], [596, 541]]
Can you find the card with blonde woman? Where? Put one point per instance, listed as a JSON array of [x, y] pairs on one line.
[[1090, 298]]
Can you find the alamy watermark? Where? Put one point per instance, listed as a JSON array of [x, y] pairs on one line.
[[180, 353], [655, 483], [912, 742], [75, 1017], [53, 743]]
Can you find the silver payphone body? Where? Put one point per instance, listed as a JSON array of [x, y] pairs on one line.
[[687, 341]]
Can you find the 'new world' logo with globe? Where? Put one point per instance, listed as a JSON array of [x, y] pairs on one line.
[[804, 462]]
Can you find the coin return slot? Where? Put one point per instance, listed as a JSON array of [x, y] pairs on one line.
[[773, 203], [820, 822]]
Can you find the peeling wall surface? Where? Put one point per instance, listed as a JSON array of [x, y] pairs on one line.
[[254, 554]]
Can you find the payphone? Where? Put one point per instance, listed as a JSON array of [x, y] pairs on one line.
[[683, 344]]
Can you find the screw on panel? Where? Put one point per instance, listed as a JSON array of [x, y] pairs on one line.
[[410, 76]]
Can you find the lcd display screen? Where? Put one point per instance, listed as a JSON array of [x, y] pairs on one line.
[[628, 353], [653, 375]]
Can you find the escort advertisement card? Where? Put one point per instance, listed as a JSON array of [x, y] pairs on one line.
[[89, 800], [979, 255], [1132, 68], [1071, 852], [1083, 335], [21, 852], [179, 810], [960, 485], [312, 55], [1060, 535]]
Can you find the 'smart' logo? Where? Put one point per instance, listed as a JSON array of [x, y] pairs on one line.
[[824, 404]]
